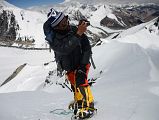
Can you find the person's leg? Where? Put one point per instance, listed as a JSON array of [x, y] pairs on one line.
[[71, 77], [77, 95], [83, 92], [83, 97]]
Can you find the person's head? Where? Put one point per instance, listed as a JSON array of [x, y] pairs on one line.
[[58, 20]]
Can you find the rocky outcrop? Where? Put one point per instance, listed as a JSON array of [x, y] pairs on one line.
[[14, 74], [77, 15], [129, 16], [8, 27]]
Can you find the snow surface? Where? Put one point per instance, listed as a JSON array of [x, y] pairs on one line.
[[127, 85], [11, 58], [143, 38]]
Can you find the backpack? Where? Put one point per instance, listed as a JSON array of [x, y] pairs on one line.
[[49, 37], [49, 34]]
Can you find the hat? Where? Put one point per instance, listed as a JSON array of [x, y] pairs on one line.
[[55, 17]]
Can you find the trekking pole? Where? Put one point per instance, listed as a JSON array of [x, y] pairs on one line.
[[67, 87], [93, 63], [48, 62]]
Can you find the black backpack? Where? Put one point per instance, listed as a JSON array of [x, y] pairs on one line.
[[48, 32], [49, 37]]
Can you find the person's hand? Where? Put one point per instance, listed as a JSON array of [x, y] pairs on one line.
[[82, 28]]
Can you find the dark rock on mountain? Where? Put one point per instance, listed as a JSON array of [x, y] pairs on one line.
[[8, 27], [129, 16]]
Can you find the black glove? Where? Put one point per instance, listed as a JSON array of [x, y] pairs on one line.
[[81, 75]]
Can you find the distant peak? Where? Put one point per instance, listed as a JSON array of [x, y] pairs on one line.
[[5, 4]]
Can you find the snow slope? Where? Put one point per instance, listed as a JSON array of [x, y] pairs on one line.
[[11, 58], [127, 85], [141, 35], [30, 23], [125, 89]]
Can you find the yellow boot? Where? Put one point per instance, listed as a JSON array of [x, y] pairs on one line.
[[84, 100]]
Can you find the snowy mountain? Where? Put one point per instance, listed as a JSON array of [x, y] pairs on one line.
[[23, 28], [116, 2], [4, 4], [126, 80]]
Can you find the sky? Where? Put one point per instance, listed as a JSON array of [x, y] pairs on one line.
[[30, 3]]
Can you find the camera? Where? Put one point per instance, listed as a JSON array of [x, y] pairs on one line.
[[86, 21]]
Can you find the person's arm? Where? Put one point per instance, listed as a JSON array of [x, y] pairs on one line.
[[70, 42]]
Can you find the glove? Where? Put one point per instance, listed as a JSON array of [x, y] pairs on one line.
[[81, 75]]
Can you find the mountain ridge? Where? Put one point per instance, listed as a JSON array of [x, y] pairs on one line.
[[115, 2], [28, 32]]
